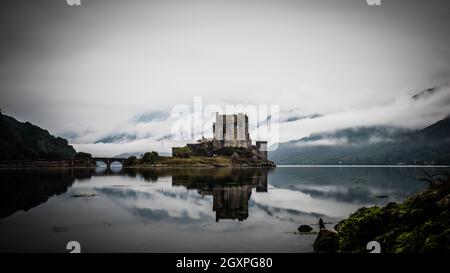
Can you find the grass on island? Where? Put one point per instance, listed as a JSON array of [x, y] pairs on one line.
[[190, 161]]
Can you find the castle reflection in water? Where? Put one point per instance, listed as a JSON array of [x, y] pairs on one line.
[[230, 189]]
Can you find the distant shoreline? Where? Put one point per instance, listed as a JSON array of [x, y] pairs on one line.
[[137, 167], [162, 162], [3, 167], [364, 166], [66, 163]]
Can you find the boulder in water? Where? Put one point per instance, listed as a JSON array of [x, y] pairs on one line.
[[305, 228]]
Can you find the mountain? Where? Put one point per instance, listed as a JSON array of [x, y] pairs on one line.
[[127, 155], [439, 131], [370, 145], [23, 140], [425, 93], [117, 138], [137, 154], [129, 131]]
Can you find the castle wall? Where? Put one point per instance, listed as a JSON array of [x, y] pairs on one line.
[[218, 127], [261, 148], [242, 127], [231, 131], [230, 127], [237, 143]]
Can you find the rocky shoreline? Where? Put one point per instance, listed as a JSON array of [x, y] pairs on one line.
[[420, 224]]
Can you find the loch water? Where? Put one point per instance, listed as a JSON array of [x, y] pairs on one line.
[[188, 210]]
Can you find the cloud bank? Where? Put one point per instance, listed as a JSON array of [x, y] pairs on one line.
[[87, 72]]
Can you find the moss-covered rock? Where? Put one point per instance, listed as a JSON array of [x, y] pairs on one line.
[[421, 224], [326, 242]]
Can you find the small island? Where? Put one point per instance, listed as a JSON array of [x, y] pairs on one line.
[[153, 160], [231, 146]]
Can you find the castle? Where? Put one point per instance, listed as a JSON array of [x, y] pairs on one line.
[[229, 132]]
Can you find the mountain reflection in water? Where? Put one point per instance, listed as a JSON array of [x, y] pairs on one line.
[[203, 209]]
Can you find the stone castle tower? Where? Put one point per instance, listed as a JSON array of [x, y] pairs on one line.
[[232, 131]]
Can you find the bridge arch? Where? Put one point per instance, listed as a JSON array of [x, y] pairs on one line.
[[109, 160]]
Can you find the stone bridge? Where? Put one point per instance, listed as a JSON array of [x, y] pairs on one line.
[[109, 160]]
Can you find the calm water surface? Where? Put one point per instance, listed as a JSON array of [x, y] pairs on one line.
[[188, 210]]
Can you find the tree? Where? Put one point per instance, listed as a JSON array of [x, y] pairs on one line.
[[132, 160], [82, 155], [150, 157]]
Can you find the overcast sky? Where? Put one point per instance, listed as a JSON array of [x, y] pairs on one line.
[[108, 68]]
